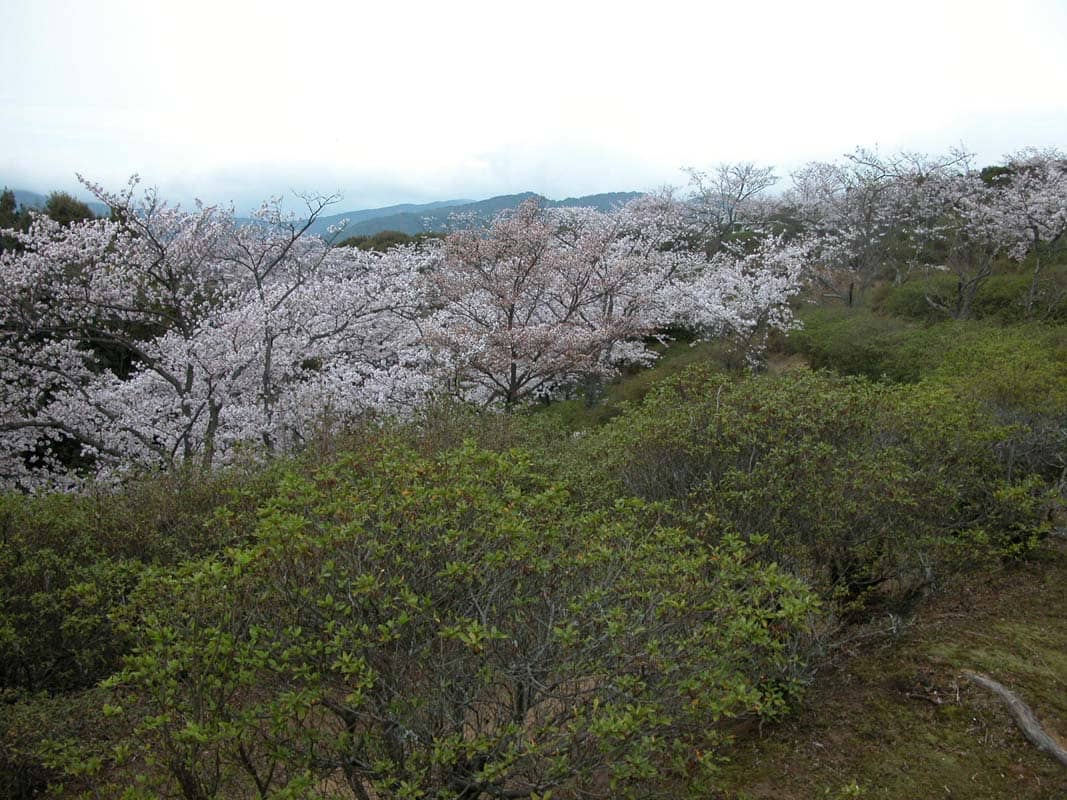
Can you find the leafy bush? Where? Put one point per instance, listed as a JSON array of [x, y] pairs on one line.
[[68, 565], [909, 299], [57, 588], [1018, 374], [864, 489], [453, 627], [1011, 296], [68, 561], [855, 342], [51, 742], [1002, 298]]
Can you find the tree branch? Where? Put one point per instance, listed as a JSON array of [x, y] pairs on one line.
[[1023, 716]]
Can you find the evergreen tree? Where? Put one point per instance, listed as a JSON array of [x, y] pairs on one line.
[[65, 208], [9, 218]]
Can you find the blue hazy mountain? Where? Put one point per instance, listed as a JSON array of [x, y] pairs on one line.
[[412, 222], [368, 215], [410, 218]]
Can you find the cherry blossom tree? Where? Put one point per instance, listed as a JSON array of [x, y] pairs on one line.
[[164, 337], [1028, 210], [742, 293], [871, 214], [541, 299], [1006, 212], [169, 337], [725, 198]]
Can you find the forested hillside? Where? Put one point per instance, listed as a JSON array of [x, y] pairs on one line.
[[717, 493], [432, 219]]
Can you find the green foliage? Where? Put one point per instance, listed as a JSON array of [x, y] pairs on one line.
[[995, 174], [1011, 367], [11, 218], [386, 240], [1035, 290], [67, 562], [912, 299], [452, 627], [600, 402], [866, 490], [56, 590], [575, 599], [1018, 374], [8, 209], [1002, 298], [1046, 284], [857, 342], [65, 208], [42, 735], [904, 703], [68, 565]]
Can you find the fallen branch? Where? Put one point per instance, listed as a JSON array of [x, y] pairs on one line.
[[933, 700], [1023, 716]]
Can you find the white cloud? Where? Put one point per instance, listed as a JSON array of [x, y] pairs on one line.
[[428, 100]]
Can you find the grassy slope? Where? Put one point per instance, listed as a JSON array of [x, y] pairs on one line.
[[900, 722]]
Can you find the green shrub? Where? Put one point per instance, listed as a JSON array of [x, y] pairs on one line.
[[1008, 296], [912, 299], [68, 566], [453, 626], [863, 489], [57, 588], [1048, 295], [855, 342], [67, 562], [1016, 373], [42, 735], [1019, 375], [1002, 298]]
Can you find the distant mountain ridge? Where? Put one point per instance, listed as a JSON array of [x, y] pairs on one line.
[[366, 215], [438, 219], [409, 218]]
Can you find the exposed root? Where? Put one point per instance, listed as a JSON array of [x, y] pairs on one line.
[[1023, 716]]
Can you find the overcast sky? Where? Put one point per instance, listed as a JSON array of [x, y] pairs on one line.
[[414, 101]]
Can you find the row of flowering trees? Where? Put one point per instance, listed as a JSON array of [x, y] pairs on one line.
[[164, 337], [542, 299], [879, 217]]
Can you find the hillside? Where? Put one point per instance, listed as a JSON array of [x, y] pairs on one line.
[[901, 721], [424, 545], [437, 219], [410, 218], [367, 215]]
